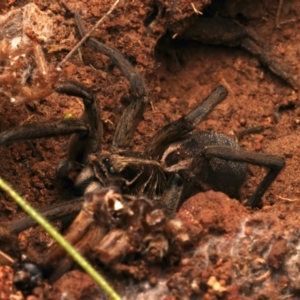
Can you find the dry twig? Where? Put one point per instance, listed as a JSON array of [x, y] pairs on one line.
[[60, 65], [288, 199], [278, 13]]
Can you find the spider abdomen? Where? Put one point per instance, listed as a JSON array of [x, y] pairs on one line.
[[215, 173]]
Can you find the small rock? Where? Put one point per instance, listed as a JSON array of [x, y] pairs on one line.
[[277, 253]]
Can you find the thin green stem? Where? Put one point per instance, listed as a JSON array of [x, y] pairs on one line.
[[60, 240]]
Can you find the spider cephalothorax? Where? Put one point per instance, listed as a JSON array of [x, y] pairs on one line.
[[134, 175]]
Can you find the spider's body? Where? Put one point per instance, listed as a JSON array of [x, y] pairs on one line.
[[137, 175]]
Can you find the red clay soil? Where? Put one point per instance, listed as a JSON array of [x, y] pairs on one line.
[[240, 253]]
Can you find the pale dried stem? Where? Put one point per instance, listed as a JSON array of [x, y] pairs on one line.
[[288, 199], [278, 13], [60, 65]]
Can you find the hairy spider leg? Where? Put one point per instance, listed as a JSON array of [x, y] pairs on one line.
[[176, 130], [43, 130], [55, 212], [133, 113], [88, 129], [81, 145], [274, 163]]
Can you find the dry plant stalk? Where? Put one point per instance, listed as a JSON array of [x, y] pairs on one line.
[[26, 75]]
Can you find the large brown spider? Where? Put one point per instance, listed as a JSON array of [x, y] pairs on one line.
[[175, 164]]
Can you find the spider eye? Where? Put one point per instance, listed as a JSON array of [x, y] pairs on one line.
[[112, 170], [109, 167]]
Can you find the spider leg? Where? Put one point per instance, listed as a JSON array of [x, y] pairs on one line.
[[274, 163], [87, 130], [52, 213], [9, 245], [34, 131], [177, 129], [134, 112], [172, 194], [81, 145]]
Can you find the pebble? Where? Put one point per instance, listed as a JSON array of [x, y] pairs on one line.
[[242, 121], [257, 147], [158, 89], [248, 230], [173, 100]]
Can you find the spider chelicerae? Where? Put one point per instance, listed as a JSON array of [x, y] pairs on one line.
[[118, 184]]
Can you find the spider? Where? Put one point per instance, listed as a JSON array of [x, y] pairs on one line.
[[176, 163]]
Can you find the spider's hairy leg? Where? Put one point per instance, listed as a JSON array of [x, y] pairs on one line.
[[42, 130], [134, 112], [172, 194], [273, 162], [56, 212], [88, 129], [177, 129], [9, 243], [81, 145]]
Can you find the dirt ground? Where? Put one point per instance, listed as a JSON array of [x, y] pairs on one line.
[[240, 253]]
